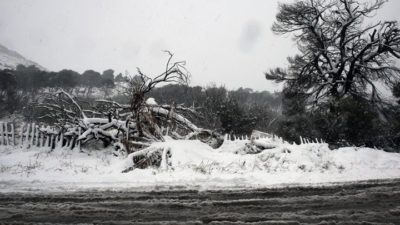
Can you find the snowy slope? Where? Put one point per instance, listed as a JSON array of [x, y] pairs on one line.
[[194, 165], [10, 59]]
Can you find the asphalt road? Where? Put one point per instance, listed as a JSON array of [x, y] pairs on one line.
[[358, 203]]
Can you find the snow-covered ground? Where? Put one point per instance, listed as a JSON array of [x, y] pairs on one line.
[[194, 164]]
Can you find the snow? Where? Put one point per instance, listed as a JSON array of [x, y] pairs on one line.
[[10, 59], [151, 101], [193, 164], [161, 111]]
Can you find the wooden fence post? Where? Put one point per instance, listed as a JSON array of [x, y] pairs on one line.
[[37, 136], [51, 141], [42, 139], [46, 140], [69, 143], [13, 134], [80, 133], [27, 135], [1, 134], [5, 134], [32, 135], [60, 142], [21, 135]]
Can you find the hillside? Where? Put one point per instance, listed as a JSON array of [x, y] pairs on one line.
[[10, 59]]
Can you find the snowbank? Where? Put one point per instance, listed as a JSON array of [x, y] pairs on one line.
[[194, 165]]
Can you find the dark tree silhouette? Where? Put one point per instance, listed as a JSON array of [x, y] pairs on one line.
[[91, 78], [108, 78], [339, 55], [66, 79], [8, 93]]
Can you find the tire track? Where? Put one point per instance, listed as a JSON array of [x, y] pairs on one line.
[[374, 202]]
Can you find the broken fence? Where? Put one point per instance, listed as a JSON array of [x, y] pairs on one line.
[[31, 135]]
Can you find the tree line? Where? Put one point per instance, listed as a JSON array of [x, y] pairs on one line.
[[226, 111], [18, 86], [30, 78]]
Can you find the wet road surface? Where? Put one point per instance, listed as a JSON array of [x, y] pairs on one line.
[[362, 203]]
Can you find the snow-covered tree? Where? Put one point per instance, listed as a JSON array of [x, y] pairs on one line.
[[340, 54]]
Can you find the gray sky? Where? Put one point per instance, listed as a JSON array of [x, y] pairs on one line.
[[227, 42]]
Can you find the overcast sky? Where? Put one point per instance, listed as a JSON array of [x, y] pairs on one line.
[[226, 42]]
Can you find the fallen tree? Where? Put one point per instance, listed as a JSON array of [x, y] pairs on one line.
[[132, 127]]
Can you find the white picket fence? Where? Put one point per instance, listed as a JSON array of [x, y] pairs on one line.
[[255, 135], [234, 137], [30, 135], [311, 141]]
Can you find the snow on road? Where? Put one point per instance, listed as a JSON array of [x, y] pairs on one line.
[[194, 165]]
